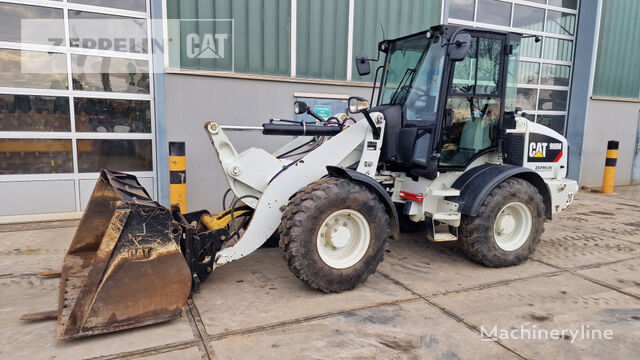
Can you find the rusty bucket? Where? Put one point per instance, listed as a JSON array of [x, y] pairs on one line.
[[124, 267]]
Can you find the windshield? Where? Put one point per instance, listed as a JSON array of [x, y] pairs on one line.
[[413, 76]]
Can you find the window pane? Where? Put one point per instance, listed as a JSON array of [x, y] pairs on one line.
[[569, 4], [259, 33], [464, 73], [513, 71], [528, 73], [118, 155], [560, 23], [35, 156], [558, 49], [489, 60], [110, 115], [34, 113], [322, 39], [461, 9], [472, 129], [409, 74], [531, 48], [527, 17], [107, 32], [556, 122], [526, 99], [135, 5], [96, 73], [33, 69], [494, 12], [553, 100], [488, 54], [557, 75], [31, 24]]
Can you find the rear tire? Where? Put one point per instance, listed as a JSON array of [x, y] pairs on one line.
[[508, 226], [333, 233]]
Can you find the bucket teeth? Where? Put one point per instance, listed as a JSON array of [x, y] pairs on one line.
[[124, 267]]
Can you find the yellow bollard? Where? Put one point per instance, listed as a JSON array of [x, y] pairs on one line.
[[610, 167], [178, 175]]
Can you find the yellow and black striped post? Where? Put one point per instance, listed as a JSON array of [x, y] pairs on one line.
[[178, 175], [610, 167]]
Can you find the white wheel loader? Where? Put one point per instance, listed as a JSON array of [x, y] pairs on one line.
[[444, 148]]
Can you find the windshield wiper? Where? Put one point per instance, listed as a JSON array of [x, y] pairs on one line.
[[408, 75]]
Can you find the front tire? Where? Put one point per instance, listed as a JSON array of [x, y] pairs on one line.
[[333, 233], [508, 226]]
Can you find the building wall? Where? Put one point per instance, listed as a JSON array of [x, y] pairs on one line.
[[193, 100], [69, 108], [614, 108], [617, 71], [609, 120]]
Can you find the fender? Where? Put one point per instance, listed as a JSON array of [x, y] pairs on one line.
[[476, 184], [371, 184]]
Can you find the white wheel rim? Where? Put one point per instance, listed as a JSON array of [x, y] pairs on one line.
[[512, 226], [343, 238]]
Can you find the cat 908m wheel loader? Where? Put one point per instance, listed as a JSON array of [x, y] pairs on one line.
[[444, 147]]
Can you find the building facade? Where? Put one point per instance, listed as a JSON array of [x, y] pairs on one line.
[[243, 62], [69, 107]]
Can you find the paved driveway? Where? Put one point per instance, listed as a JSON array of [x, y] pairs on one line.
[[581, 289]]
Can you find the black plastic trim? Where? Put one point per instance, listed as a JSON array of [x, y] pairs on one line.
[[476, 184]]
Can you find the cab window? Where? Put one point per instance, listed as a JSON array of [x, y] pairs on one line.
[[473, 106]]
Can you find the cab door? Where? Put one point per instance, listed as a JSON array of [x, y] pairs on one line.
[[474, 103]]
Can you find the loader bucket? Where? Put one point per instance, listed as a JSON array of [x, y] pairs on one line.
[[124, 267]]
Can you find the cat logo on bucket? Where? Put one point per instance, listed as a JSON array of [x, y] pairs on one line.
[[543, 148]]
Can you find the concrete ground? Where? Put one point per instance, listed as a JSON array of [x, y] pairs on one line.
[[425, 301]]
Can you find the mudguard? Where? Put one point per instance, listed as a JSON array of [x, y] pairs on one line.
[[476, 183], [338, 172]]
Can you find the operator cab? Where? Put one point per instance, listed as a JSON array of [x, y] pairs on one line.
[[445, 93]]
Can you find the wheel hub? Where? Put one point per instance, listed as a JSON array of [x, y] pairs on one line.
[[506, 224], [340, 237], [512, 226], [343, 238]]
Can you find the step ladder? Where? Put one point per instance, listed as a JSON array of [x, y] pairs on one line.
[[439, 219]]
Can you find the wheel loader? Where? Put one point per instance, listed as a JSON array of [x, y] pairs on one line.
[[444, 147]]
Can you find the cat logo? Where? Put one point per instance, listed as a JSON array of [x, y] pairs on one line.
[[538, 150], [543, 148], [207, 47]]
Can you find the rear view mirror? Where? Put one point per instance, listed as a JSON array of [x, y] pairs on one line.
[[362, 65], [459, 47]]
